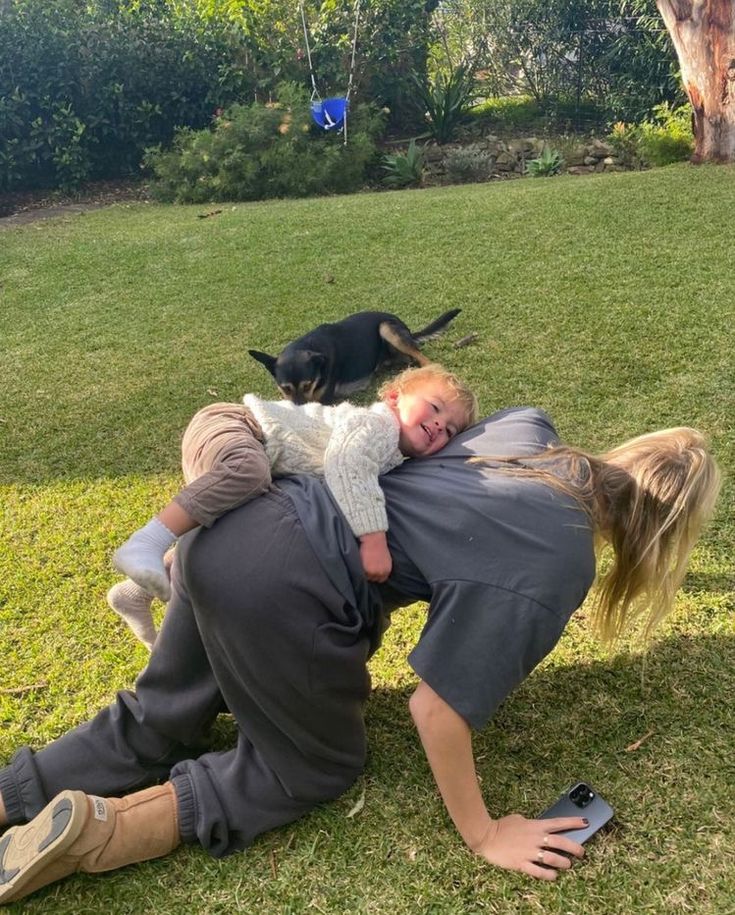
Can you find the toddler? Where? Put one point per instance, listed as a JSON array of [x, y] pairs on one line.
[[230, 451]]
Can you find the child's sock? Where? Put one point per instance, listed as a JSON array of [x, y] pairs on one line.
[[133, 604], [141, 558]]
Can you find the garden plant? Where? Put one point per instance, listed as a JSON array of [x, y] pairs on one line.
[[86, 88]]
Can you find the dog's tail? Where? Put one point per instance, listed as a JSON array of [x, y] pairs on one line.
[[436, 327]]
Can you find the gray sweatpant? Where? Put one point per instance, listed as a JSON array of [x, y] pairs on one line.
[[274, 643], [223, 461]]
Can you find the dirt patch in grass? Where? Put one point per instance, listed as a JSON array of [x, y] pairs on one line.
[[23, 207]]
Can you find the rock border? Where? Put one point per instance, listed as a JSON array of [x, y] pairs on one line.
[[492, 157]]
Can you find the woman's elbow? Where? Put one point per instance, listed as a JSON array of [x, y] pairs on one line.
[[432, 713], [424, 705]]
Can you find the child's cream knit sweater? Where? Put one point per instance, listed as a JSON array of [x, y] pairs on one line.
[[349, 446]]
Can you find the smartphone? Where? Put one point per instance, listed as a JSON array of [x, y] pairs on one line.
[[580, 800]]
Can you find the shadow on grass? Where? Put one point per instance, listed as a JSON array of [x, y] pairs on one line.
[[711, 582], [593, 708], [565, 719]]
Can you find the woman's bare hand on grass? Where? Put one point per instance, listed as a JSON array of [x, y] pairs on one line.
[[531, 846]]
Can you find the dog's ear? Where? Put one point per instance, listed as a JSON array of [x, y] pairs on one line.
[[268, 361]]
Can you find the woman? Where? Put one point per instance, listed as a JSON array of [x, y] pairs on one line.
[[272, 619]]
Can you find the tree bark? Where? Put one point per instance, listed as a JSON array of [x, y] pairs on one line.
[[703, 33]]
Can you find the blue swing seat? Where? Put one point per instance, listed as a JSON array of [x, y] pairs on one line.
[[330, 113]]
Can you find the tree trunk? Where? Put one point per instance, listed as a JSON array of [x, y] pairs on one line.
[[703, 33]]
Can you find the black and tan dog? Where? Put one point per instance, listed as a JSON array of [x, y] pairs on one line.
[[335, 360]]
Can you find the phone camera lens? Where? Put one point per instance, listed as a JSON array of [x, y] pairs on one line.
[[585, 796], [581, 795]]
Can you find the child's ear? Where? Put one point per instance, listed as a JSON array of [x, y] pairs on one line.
[[391, 397]]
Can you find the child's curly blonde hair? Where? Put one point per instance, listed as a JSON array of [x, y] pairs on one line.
[[433, 372]]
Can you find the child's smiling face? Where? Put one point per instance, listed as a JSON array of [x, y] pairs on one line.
[[429, 417]]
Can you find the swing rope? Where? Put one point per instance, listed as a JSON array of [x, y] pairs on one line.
[[315, 91], [330, 123], [354, 49]]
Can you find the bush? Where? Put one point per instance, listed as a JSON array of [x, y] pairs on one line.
[[523, 114], [625, 140], [468, 165], [668, 136], [84, 88], [116, 76], [395, 36], [664, 139], [515, 113], [612, 56], [258, 151]]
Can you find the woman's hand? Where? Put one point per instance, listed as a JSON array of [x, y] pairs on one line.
[[530, 846], [375, 556], [512, 842]]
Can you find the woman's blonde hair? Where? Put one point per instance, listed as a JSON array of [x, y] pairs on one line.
[[656, 492], [648, 499], [433, 372]]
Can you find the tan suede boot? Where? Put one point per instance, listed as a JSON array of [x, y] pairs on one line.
[[80, 832]]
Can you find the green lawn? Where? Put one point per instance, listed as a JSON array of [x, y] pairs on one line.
[[606, 300]]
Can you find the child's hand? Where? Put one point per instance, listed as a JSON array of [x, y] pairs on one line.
[[531, 846], [375, 556]]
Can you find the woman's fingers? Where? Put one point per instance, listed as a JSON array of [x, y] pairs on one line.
[[549, 858], [562, 824], [542, 873], [564, 843]]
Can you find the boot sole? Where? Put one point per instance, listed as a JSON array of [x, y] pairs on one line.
[[26, 850]]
